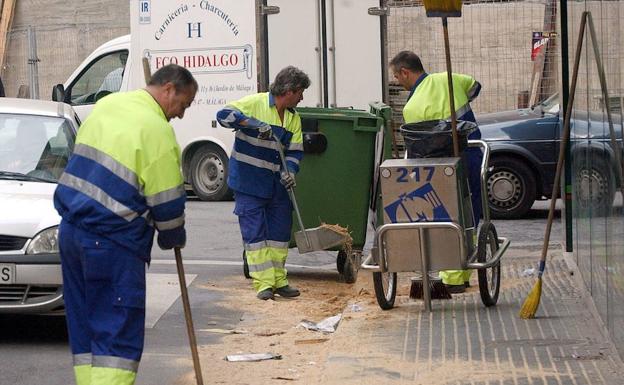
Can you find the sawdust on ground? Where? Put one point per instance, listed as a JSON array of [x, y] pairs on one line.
[[271, 327]]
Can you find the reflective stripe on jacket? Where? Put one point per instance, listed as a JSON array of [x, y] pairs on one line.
[[255, 162], [430, 99], [124, 177]]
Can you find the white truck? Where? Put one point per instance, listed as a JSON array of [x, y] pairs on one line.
[[216, 40]]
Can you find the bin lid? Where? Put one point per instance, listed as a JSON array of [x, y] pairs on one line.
[[361, 120]]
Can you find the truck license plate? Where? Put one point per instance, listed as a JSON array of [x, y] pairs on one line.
[[7, 273]]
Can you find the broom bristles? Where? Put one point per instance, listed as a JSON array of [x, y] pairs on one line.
[[531, 303]]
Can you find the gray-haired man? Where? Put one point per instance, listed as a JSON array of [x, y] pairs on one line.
[[258, 179]]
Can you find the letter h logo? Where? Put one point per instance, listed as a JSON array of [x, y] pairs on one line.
[[194, 27]]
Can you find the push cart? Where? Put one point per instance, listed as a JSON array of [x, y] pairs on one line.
[[429, 226]]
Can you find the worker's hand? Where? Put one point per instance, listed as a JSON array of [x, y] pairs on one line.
[[169, 239], [265, 132], [281, 135], [287, 178]]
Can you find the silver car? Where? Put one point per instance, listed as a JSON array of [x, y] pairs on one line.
[[36, 140]]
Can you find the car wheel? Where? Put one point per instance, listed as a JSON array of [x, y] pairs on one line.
[[209, 167], [594, 186], [511, 188]]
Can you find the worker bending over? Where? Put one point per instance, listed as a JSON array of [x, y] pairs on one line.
[[429, 100], [264, 122], [122, 182]]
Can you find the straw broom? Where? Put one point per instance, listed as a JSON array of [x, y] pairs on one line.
[[531, 303], [529, 308]]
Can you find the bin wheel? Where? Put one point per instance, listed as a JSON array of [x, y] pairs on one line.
[[341, 258], [489, 279], [245, 266], [385, 289], [348, 265]]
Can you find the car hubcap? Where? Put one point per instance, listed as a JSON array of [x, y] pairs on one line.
[[210, 174], [504, 189], [592, 186]]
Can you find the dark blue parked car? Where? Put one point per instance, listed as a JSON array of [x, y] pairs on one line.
[[524, 149]]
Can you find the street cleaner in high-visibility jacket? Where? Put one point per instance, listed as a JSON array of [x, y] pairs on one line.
[[429, 100], [121, 184], [259, 182]]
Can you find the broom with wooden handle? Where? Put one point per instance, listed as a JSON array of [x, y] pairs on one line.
[[437, 288], [531, 303], [190, 329], [188, 317], [529, 308]]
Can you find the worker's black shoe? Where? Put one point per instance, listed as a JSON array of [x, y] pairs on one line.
[[265, 294], [455, 289], [287, 291]]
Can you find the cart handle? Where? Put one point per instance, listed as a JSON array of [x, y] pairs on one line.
[[484, 164], [503, 245], [370, 265]]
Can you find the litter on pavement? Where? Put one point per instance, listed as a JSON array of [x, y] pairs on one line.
[[355, 308], [251, 357], [528, 272], [328, 325]]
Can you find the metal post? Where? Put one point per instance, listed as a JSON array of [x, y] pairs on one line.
[[565, 94], [264, 65], [383, 28], [33, 69], [332, 51]]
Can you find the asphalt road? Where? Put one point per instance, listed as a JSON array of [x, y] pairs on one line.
[[34, 349]]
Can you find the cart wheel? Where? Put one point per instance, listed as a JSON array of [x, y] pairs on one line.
[[245, 266], [350, 266], [385, 289], [489, 279], [341, 258]]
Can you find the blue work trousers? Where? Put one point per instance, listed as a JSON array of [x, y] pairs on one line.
[[104, 293], [265, 225]]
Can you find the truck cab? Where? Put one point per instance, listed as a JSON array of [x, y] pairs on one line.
[[204, 145]]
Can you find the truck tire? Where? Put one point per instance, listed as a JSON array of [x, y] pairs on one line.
[[209, 170], [511, 188]]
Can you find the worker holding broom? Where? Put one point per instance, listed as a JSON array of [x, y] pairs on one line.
[[429, 100], [122, 181], [263, 122]]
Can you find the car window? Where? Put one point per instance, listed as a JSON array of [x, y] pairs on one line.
[[102, 77], [33, 145]]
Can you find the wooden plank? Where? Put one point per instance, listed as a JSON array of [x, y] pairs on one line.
[[543, 83], [8, 6]]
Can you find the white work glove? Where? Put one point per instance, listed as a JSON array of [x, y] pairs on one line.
[[287, 179], [265, 132]]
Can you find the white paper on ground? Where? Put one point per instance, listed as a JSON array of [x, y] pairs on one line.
[[328, 325], [253, 357]]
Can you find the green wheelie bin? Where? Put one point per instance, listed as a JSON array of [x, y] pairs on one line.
[[337, 173]]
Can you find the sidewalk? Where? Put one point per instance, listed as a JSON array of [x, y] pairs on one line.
[[462, 342], [459, 342]]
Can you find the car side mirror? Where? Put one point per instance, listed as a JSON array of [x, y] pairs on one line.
[[58, 93]]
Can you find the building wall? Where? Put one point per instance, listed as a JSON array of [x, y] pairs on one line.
[[67, 31]]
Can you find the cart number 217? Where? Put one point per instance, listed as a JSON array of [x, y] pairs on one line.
[[415, 173]]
